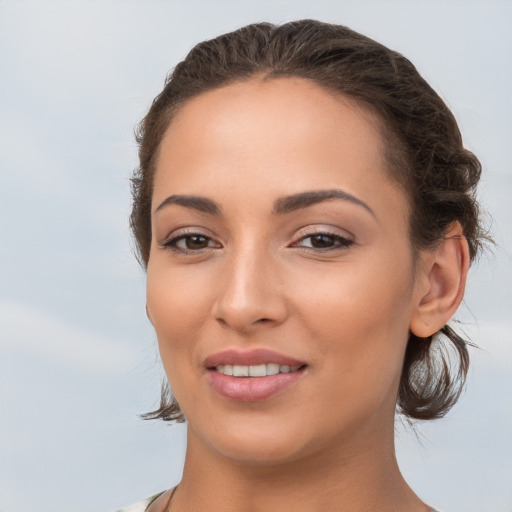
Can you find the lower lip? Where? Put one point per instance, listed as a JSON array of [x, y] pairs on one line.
[[252, 389]]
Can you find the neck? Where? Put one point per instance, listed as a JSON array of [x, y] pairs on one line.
[[357, 476]]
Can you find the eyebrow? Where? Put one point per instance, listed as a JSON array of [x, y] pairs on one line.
[[201, 204], [282, 206], [305, 199]]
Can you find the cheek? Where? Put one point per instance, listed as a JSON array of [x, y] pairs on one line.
[[360, 317], [178, 306]]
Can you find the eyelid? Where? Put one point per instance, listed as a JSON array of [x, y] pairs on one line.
[[344, 238], [170, 241], [323, 229], [186, 231]]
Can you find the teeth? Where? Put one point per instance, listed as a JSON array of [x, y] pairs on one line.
[[240, 371], [259, 370], [272, 369]]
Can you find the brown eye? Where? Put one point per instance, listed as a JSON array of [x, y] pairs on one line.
[[324, 242], [190, 243], [196, 242]]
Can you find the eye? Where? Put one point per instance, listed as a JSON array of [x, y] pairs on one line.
[[324, 241], [190, 242]]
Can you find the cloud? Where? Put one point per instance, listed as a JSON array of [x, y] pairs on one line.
[[29, 330]]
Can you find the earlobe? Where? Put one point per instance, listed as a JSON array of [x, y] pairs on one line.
[[442, 284]]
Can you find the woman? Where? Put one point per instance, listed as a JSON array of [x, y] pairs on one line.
[[305, 211]]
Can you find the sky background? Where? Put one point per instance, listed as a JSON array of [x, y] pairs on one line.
[[78, 359]]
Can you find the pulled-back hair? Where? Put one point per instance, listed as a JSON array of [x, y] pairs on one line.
[[425, 156]]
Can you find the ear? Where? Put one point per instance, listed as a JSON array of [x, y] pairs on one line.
[[441, 282]]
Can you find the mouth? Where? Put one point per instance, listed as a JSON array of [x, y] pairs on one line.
[[258, 370], [252, 376]]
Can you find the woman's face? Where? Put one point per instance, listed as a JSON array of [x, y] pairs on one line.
[[280, 244]]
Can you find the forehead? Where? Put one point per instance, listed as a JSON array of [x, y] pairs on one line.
[[283, 135], [297, 105]]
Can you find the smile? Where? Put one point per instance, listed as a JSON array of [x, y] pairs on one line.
[[253, 375], [259, 370]]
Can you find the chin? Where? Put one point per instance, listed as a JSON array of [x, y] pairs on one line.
[[263, 452], [252, 439]]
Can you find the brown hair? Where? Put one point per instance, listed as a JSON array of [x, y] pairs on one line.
[[425, 154]]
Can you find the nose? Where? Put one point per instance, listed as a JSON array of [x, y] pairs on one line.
[[251, 293]]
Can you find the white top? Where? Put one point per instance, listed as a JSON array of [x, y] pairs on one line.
[[141, 506], [137, 507]]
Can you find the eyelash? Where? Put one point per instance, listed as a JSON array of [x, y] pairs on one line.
[[339, 243], [172, 244]]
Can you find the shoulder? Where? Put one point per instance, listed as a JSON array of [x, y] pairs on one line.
[[140, 506]]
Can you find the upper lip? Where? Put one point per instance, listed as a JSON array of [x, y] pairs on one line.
[[250, 358]]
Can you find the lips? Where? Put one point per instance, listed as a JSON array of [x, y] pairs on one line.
[[252, 376], [250, 358]]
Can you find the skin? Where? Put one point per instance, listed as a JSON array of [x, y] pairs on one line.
[[258, 279]]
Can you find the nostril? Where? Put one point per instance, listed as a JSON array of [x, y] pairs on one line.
[[242, 314]]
